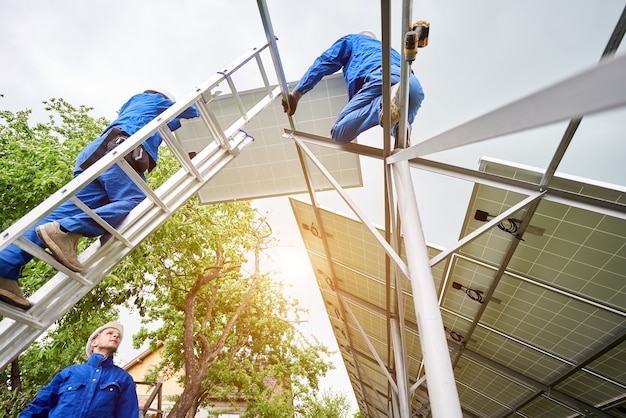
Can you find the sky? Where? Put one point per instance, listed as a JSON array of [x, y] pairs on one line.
[[481, 55]]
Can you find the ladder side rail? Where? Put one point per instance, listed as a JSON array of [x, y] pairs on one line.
[[273, 48], [243, 60]]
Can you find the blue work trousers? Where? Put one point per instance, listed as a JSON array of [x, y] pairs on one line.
[[112, 196], [362, 111]]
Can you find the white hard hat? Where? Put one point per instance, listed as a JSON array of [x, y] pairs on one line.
[[116, 325], [163, 92], [368, 33]]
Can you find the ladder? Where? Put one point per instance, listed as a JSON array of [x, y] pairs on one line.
[[18, 328]]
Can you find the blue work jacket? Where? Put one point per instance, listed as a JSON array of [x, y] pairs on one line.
[[94, 389], [358, 55], [136, 113]]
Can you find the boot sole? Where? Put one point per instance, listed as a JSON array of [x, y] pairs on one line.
[[56, 251], [14, 300], [394, 108]]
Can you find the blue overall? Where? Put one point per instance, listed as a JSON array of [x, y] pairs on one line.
[[112, 195], [94, 389], [360, 57]]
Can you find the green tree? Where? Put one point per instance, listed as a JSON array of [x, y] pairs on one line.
[[326, 404], [233, 333]]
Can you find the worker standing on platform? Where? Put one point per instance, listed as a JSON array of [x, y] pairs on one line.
[[112, 195], [360, 57]]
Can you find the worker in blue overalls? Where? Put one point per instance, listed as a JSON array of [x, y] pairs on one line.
[[112, 195], [360, 57], [97, 388]]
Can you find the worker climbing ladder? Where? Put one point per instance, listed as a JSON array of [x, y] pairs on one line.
[[18, 328]]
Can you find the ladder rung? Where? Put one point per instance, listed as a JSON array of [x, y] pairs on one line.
[[212, 124], [174, 144], [38, 252], [233, 90], [143, 185], [21, 316], [266, 82], [104, 224]]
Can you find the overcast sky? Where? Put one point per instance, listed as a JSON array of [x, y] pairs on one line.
[[482, 54]]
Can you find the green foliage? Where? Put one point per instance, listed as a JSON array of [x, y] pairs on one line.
[[280, 406], [325, 405], [35, 161], [231, 331]]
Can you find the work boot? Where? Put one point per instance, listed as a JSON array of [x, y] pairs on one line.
[[395, 106], [11, 293], [62, 244], [408, 139]]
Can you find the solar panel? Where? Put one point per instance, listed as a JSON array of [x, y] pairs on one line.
[[549, 341], [270, 165]]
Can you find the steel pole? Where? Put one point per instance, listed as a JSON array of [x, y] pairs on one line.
[[444, 398]]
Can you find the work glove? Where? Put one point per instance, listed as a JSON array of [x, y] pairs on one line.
[[290, 106]]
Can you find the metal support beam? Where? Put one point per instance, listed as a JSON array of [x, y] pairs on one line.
[[442, 391], [486, 227], [597, 89], [401, 371], [380, 362], [357, 211]]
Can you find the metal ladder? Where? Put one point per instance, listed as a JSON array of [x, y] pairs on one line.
[[18, 329]]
